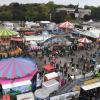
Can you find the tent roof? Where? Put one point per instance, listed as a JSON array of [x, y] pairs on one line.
[[37, 38], [7, 33], [51, 75], [50, 83], [14, 68], [91, 33], [48, 67], [66, 25], [91, 86]]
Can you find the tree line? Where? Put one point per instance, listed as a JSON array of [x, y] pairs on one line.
[[38, 12]]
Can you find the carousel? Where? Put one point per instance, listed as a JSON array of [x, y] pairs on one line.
[[5, 37], [16, 74], [7, 46], [66, 26]]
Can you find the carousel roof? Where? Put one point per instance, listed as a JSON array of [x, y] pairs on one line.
[[19, 67], [7, 32], [66, 25]]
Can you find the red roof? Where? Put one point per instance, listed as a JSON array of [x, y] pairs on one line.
[[19, 39], [29, 33], [48, 67], [6, 97]]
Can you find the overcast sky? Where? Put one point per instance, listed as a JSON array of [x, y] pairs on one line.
[[65, 2]]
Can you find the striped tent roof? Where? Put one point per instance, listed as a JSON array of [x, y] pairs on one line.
[[7, 32]]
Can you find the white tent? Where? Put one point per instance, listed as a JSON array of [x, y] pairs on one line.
[[33, 43], [51, 26], [91, 86], [30, 24], [97, 67], [37, 38], [51, 85], [8, 25], [45, 22], [52, 75], [94, 33]]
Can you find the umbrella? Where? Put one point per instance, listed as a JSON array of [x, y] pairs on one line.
[[66, 25], [48, 67], [13, 68], [84, 40]]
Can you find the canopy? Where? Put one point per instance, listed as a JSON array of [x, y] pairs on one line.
[[66, 25], [91, 86], [58, 40], [33, 43], [18, 39], [94, 33], [14, 68], [48, 67], [37, 38], [84, 40], [7, 33]]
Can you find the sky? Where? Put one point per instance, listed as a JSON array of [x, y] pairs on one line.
[[65, 2]]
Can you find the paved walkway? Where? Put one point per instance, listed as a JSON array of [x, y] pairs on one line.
[[78, 80]]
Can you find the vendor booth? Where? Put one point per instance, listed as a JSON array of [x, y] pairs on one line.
[[88, 91], [51, 85], [17, 87], [50, 76]]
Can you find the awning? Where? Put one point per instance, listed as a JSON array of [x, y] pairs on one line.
[[29, 33], [19, 39], [91, 86]]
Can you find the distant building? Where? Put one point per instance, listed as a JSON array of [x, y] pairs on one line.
[[82, 12]]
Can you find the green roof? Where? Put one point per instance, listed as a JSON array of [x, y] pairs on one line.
[[7, 32]]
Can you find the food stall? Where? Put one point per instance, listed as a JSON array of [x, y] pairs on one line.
[[50, 76]]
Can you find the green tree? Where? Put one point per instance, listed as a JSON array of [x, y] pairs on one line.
[[18, 11]]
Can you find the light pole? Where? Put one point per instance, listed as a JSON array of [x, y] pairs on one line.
[[76, 12], [50, 15]]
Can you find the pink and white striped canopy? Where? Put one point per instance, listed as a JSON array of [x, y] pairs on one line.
[[66, 25], [14, 68], [84, 40]]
